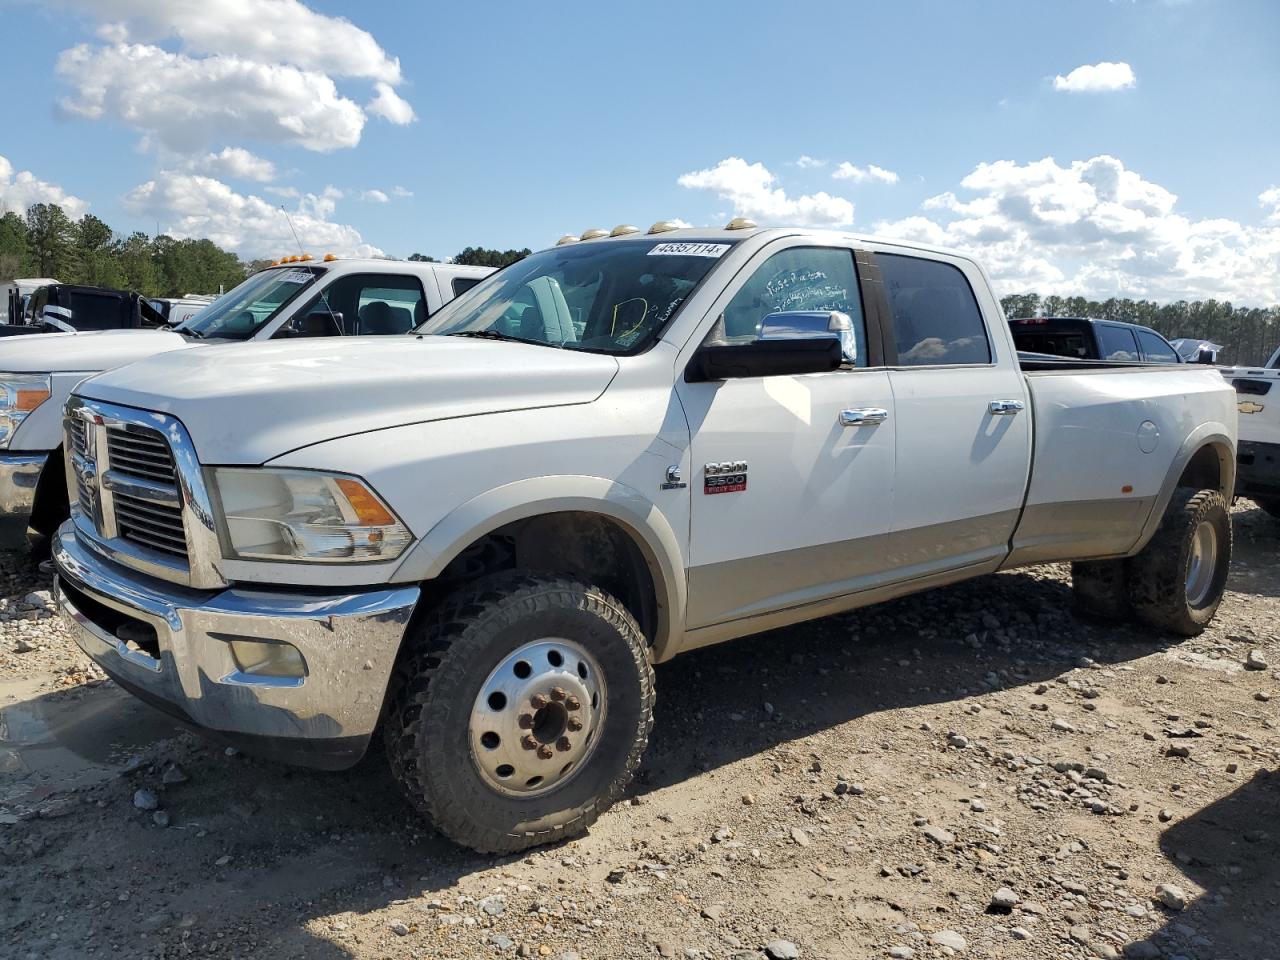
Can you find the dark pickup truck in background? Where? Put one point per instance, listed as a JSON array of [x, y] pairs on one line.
[[1082, 338], [68, 307]]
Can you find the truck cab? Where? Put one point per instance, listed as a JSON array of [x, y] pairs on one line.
[[297, 298], [68, 308], [1083, 338]]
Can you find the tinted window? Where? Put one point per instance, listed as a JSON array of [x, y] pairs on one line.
[[462, 284], [1115, 343], [802, 278], [935, 316], [373, 304], [1071, 345], [1155, 349]]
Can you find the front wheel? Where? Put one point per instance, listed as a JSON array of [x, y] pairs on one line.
[[1178, 580], [520, 711]]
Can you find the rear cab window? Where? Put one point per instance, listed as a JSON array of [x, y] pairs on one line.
[[1116, 343], [462, 284], [936, 318]]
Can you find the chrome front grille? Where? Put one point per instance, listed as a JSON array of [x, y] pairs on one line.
[[138, 494]]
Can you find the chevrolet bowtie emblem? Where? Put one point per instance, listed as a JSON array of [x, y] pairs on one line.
[[1249, 406]]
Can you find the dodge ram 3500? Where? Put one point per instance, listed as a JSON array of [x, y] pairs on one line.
[[305, 298], [483, 538]]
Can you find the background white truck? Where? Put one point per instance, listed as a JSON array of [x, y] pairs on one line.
[[481, 539], [1258, 403], [311, 298]]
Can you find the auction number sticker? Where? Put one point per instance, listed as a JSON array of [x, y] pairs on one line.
[[296, 276], [713, 250]]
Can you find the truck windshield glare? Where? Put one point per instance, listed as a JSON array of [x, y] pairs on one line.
[[606, 297], [241, 312]]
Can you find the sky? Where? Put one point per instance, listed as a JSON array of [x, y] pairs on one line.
[[1099, 147]]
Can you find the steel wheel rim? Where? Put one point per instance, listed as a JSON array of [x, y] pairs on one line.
[[1202, 563], [537, 718]]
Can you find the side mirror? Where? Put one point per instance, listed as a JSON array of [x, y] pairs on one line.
[[813, 325], [764, 358], [317, 323]]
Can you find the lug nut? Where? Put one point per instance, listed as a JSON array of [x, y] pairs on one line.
[[526, 721], [558, 693], [573, 703], [529, 742], [545, 752], [563, 744], [575, 724], [539, 700]]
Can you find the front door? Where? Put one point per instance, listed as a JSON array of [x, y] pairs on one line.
[[788, 504]]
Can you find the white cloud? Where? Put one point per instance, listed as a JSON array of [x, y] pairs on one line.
[[1271, 198], [390, 106], [847, 171], [375, 196], [1096, 78], [401, 192], [238, 163], [184, 102], [190, 205], [1094, 227], [22, 189], [750, 187], [263, 31], [806, 162]]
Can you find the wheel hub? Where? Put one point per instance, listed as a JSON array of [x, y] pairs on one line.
[[536, 718], [1202, 563]]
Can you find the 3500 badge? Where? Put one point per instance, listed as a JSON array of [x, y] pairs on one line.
[[729, 476]]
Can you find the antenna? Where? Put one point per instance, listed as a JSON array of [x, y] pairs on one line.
[[295, 232]]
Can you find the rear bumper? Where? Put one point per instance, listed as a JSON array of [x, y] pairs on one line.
[[171, 646], [19, 474], [1257, 469]]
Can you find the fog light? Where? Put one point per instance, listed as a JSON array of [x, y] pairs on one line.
[[266, 658]]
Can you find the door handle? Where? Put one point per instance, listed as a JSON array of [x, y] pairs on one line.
[[863, 417], [1005, 408]]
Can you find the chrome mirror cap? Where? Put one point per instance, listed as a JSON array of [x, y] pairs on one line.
[[813, 325]]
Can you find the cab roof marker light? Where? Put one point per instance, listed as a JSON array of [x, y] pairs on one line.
[[330, 257], [664, 226], [566, 239], [741, 223], [594, 234], [622, 229], [305, 257]]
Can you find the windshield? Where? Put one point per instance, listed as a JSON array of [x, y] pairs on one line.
[[602, 296], [246, 309]]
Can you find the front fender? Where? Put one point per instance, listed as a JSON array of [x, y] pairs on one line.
[[536, 496]]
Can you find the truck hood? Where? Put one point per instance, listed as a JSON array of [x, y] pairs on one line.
[[252, 402], [83, 352]]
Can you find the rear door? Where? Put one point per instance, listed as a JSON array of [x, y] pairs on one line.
[[1116, 343], [1155, 348], [963, 427]]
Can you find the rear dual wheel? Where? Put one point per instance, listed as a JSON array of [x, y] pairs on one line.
[[520, 711], [1176, 583]]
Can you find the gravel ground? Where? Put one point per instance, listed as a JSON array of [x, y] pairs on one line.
[[971, 772]]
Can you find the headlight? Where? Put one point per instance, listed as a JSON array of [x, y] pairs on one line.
[[20, 393], [300, 515]]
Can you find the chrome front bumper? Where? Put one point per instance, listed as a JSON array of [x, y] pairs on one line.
[[347, 642], [19, 474]]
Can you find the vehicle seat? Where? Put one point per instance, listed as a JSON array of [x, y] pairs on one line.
[[381, 319]]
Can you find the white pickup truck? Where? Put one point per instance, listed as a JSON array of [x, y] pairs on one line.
[[303, 298], [607, 454], [1258, 402]]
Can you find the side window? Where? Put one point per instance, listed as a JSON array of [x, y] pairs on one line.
[[372, 304], [802, 278], [1155, 349], [1115, 343], [936, 319], [462, 284]]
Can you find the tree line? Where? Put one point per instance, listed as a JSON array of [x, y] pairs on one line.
[[1249, 335]]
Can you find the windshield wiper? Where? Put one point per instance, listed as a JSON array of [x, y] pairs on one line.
[[498, 335], [193, 332]]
